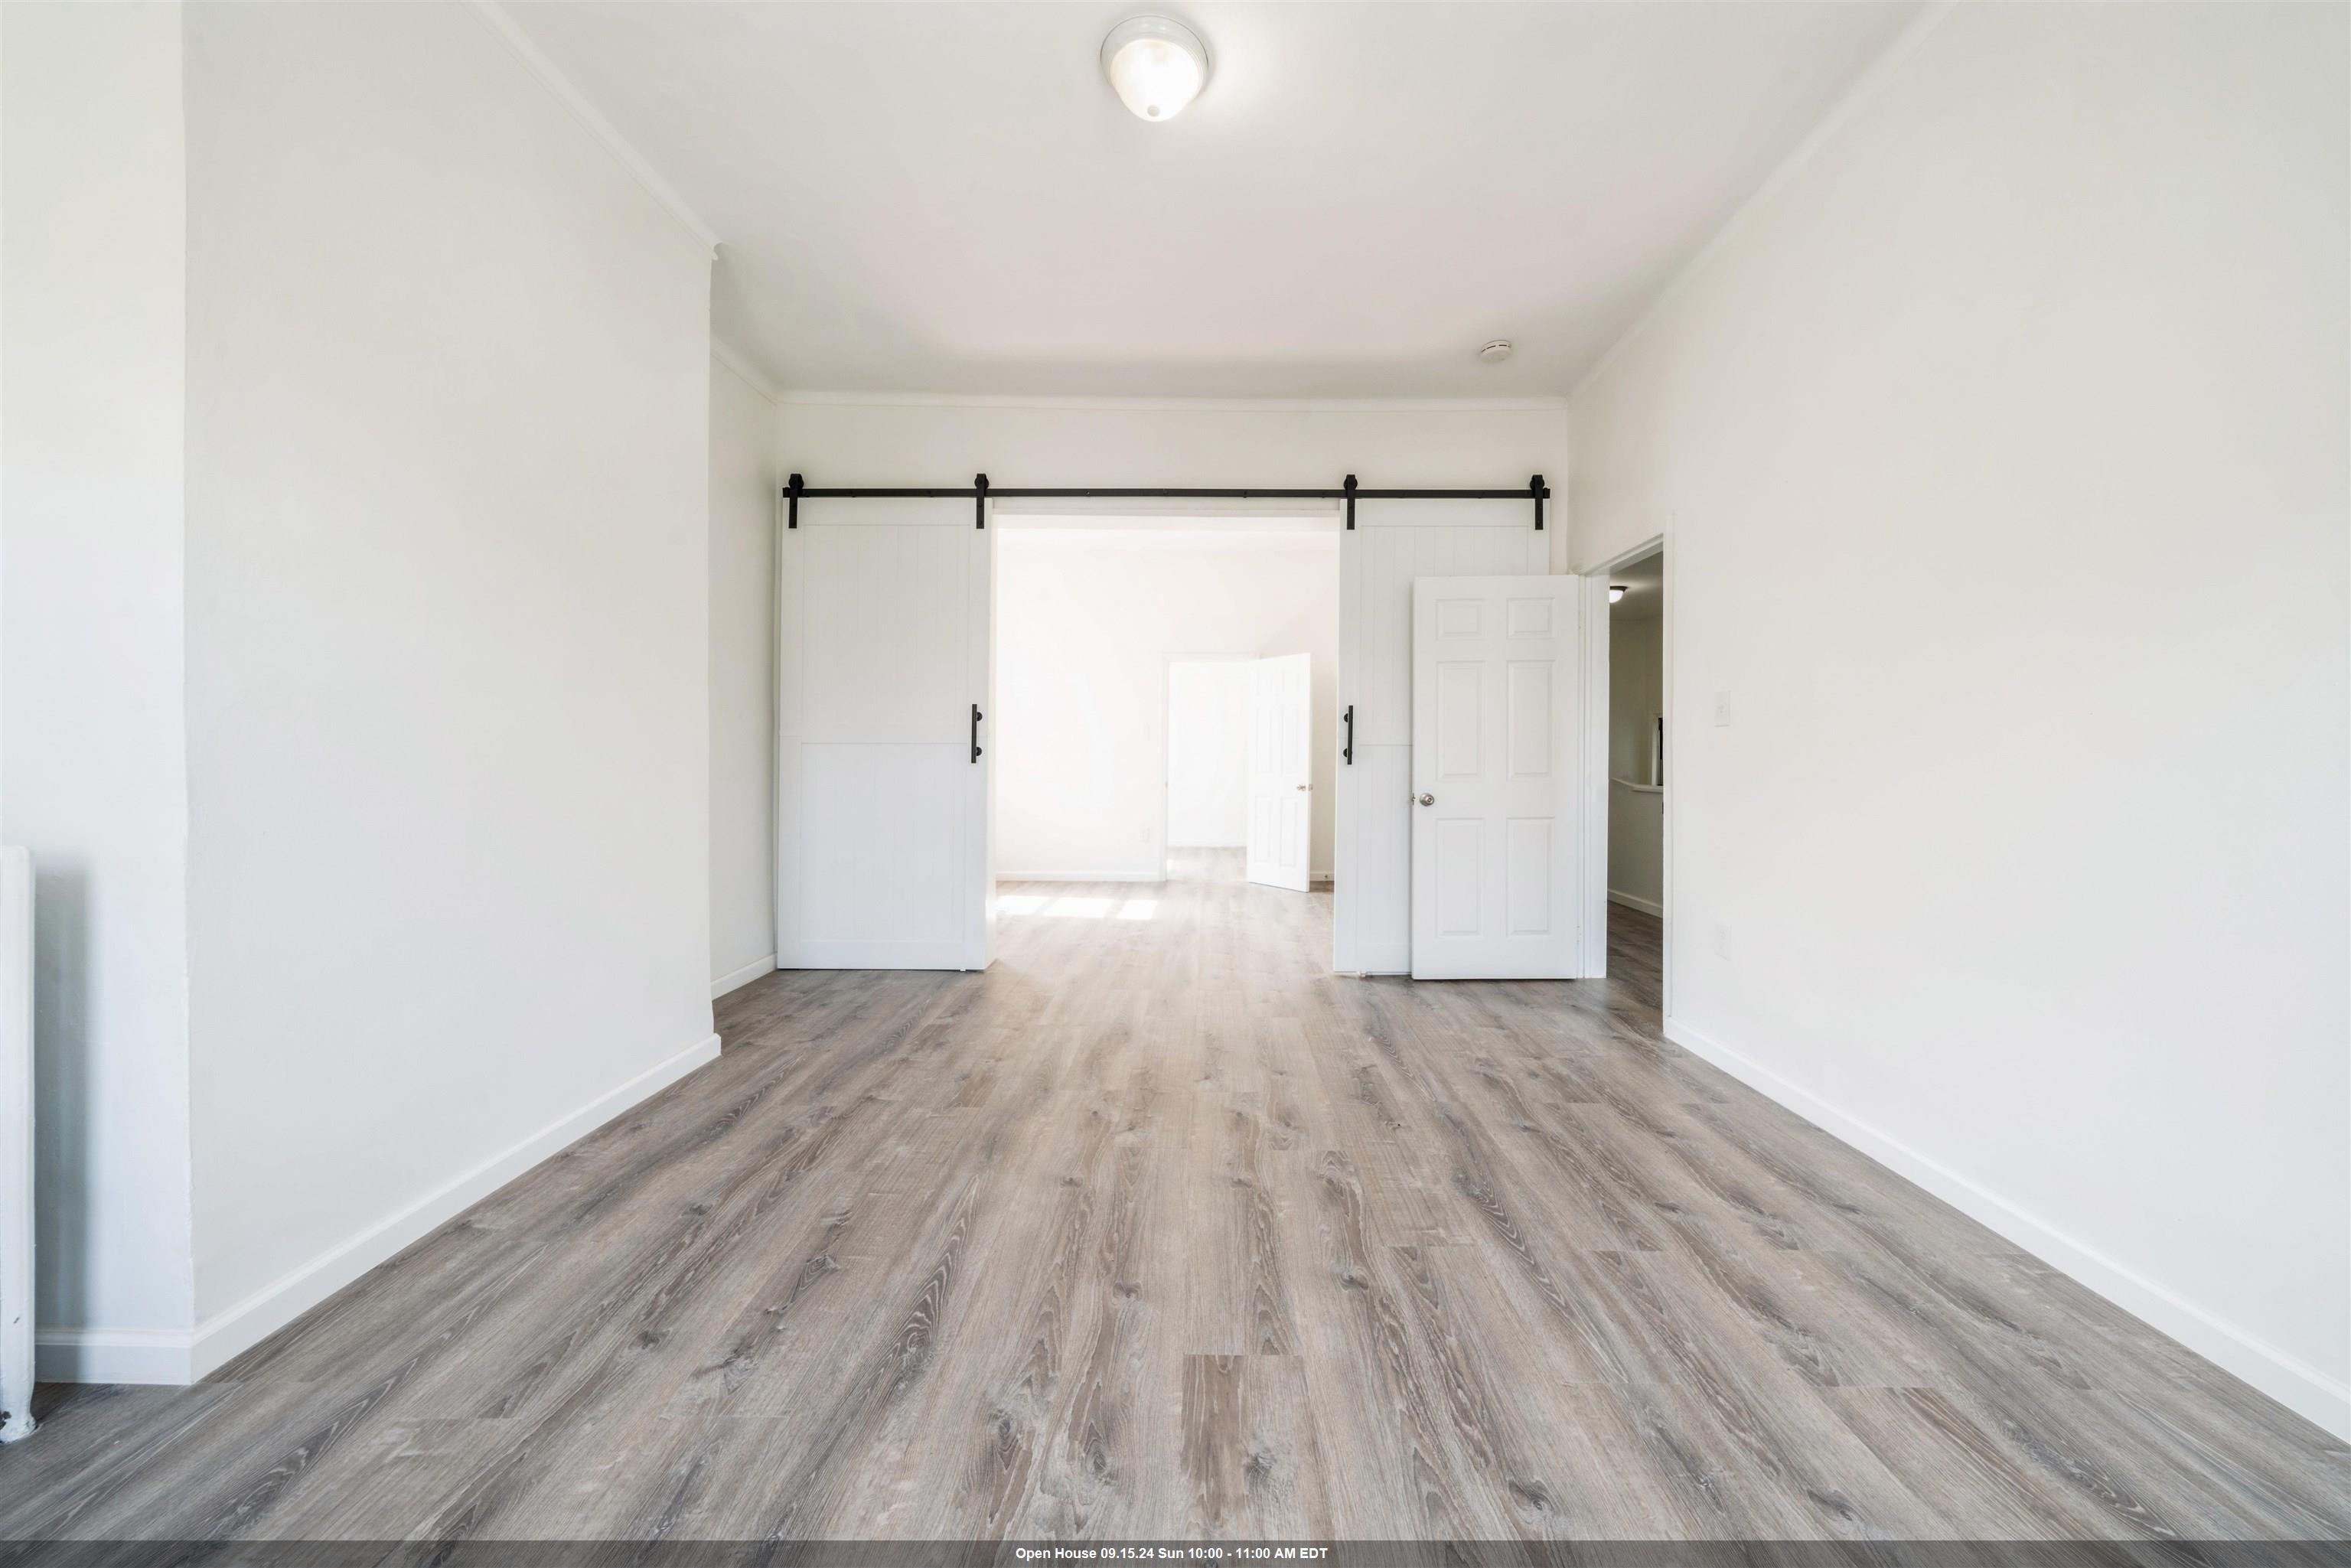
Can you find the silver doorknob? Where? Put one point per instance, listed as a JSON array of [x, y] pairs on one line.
[[1301, 788], [1426, 799]]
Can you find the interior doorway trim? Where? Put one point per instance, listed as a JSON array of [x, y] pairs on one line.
[[1601, 573]]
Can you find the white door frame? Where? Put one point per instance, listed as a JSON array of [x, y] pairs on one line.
[[1600, 574], [1166, 696]]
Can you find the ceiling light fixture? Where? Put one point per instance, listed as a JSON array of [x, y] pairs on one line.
[[1615, 591], [1495, 353], [1156, 66]]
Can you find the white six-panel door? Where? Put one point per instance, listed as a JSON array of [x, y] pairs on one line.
[[883, 654], [1496, 797], [1281, 770]]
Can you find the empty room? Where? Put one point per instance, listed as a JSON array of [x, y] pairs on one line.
[[852, 783]]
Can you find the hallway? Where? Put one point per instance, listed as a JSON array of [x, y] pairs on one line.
[[1157, 1228]]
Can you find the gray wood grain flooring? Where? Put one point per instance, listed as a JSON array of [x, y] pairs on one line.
[[1157, 1228]]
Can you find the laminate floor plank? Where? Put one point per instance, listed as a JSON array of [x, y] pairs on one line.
[[1159, 1228]]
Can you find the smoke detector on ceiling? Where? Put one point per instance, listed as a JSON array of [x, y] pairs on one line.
[[1495, 353]]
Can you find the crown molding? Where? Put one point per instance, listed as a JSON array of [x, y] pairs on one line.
[[735, 360], [551, 77]]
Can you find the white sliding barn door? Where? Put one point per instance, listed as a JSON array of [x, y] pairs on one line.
[[1281, 770], [1497, 802], [882, 657], [1393, 543]]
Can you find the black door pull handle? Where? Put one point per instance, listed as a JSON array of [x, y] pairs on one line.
[[1347, 753], [975, 716]]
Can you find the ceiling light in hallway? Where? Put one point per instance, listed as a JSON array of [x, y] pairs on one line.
[[1156, 66]]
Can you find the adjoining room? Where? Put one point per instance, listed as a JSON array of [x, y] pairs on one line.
[[1636, 752], [1137, 733]]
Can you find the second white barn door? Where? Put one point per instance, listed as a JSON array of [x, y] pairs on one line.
[[1281, 770], [882, 740], [1496, 792]]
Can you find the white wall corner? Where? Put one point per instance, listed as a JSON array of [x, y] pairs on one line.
[[2285, 1377], [736, 980], [1855, 98], [551, 77]]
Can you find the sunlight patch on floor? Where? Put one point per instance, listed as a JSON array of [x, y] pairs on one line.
[[1075, 909]]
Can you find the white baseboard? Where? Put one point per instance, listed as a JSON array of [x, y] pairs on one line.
[[106, 1356], [2285, 1377], [1634, 900], [736, 980], [112, 1356]]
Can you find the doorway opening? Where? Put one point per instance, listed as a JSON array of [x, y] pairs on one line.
[[1165, 719], [1208, 730], [1639, 769]]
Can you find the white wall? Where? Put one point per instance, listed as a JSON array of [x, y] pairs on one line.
[[1636, 817], [2004, 453], [1085, 623], [743, 485], [93, 748], [448, 636], [1207, 753]]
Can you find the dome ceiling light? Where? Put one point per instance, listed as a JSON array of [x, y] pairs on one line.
[[1156, 66]]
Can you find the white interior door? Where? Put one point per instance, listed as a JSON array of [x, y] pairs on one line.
[[1497, 796], [882, 771], [1281, 770]]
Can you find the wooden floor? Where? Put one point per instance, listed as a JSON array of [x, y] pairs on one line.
[[1159, 1229]]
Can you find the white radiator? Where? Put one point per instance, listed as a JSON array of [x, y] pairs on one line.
[[15, 1144]]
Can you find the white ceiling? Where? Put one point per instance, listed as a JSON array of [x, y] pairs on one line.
[[948, 198]]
